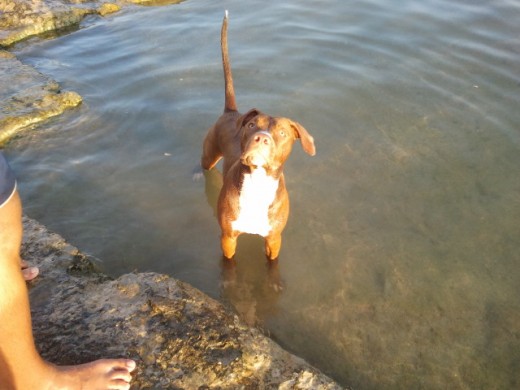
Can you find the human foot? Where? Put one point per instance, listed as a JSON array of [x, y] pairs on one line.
[[29, 273], [104, 374]]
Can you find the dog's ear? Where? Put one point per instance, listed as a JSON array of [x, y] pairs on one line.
[[305, 137], [241, 121]]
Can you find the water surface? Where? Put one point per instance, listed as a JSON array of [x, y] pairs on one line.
[[401, 258]]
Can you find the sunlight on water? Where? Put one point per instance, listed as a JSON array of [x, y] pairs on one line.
[[401, 258]]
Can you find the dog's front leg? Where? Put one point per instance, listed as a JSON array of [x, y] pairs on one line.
[[229, 245], [272, 246]]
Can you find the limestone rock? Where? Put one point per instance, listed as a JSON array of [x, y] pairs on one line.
[[27, 97], [108, 8], [20, 19], [179, 337]]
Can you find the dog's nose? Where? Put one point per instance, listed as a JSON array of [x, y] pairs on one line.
[[263, 137]]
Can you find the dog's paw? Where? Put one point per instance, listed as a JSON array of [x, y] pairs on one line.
[[197, 174], [277, 285]]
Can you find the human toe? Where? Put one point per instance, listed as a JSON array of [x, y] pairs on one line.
[[30, 273], [122, 364]]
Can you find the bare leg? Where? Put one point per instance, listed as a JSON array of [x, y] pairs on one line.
[[21, 367]]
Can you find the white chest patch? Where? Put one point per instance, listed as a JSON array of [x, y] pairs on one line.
[[257, 194]]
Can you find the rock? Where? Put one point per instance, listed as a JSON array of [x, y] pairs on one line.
[[20, 19], [179, 337], [27, 97], [108, 8]]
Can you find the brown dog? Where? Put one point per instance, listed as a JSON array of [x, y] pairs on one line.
[[253, 198]]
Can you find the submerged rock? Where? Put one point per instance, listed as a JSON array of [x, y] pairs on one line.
[[179, 337]]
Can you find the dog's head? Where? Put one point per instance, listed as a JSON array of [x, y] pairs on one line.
[[267, 141]]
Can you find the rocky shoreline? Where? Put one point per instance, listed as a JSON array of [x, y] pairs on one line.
[[179, 337]]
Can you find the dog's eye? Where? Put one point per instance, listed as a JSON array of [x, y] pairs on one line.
[[250, 125], [282, 133]]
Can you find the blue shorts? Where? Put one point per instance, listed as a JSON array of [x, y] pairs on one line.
[[7, 181]]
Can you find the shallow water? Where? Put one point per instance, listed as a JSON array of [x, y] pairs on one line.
[[401, 259]]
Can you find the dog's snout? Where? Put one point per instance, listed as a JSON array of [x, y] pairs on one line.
[[263, 137], [260, 138]]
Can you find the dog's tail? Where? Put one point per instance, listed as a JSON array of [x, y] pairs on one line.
[[230, 104]]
